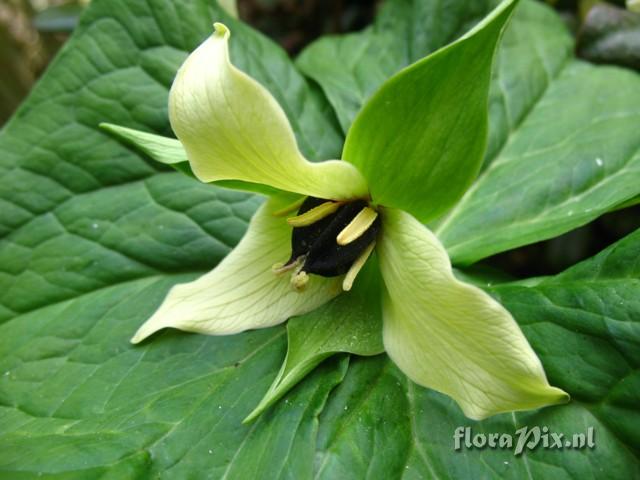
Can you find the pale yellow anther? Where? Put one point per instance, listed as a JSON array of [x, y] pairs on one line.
[[351, 275], [315, 214], [360, 224], [299, 281], [292, 207]]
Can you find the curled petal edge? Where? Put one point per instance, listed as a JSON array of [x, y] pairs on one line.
[[233, 129]]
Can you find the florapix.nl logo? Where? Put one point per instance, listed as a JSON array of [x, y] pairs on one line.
[[525, 438]]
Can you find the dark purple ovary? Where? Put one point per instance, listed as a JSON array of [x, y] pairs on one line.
[[318, 241]]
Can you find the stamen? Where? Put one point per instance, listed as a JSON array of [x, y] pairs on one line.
[[292, 207], [299, 280], [358, 226], [351, 275], [280, 267], [314, 247], [315, 214]]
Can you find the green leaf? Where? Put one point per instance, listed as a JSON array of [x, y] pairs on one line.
[[350, 323], [553, 176], [591, 314], [93, 236], [589, 149], [412, 139], [172, 408]]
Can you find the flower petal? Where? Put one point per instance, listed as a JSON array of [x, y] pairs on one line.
[[233, 129], [243, 292], [451, 336]]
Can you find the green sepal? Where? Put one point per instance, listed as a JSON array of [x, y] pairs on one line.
[[420, 140], [350, 323], [169, 151]]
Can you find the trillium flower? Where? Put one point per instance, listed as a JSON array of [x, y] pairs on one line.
[[402, 168]]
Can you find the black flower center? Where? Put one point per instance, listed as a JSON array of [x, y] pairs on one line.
[[315, 247]]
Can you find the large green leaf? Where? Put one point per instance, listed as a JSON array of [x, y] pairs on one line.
[[93, 237], [175, 405], [570, 161], [563, 149]]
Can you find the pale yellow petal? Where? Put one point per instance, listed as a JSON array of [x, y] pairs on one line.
[[451, 336], [243, 292], [233, 129]]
